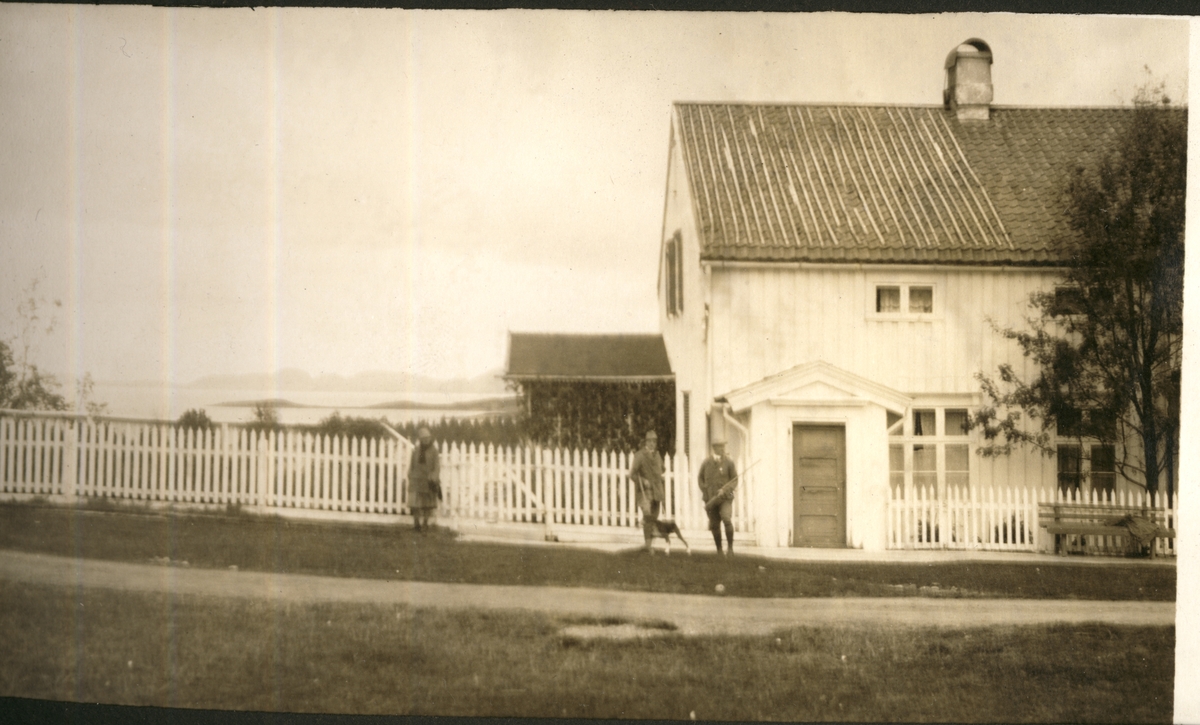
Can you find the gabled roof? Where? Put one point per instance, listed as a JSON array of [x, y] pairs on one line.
[[629, 358], [885, 184], [829, 382]]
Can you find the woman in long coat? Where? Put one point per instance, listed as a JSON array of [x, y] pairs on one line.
[[424, 480]]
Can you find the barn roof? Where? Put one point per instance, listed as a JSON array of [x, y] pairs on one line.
[[886, 184], [628, 358]]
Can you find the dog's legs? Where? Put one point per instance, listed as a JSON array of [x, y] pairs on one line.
[[685, 543], [668, 545]]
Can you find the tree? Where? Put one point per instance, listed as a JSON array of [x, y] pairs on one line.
[[266, 417], [196, 418], [1108, 343]]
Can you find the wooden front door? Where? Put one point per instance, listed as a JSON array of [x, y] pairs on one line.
[[819, 482]]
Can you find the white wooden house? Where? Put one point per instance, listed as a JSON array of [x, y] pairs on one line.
[[826, 280]]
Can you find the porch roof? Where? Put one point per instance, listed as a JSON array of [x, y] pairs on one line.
[[836, 385]]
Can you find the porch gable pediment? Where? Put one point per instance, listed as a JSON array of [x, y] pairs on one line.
[[817, 382]]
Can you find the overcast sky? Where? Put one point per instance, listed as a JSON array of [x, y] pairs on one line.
[[225, 191]]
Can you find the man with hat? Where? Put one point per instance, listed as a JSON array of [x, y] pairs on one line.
[[424, 480], [647, 474], [716, 473]]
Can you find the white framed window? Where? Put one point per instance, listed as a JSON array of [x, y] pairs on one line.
[[904, 301], [929, 452], [1084, 462], [673, 268]]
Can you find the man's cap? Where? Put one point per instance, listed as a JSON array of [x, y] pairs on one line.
[[718, 442], [651, 436], [424, 432]]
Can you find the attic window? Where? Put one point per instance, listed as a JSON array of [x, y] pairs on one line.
[[674, 271], [920, 300], [903, 301], [887, 299]]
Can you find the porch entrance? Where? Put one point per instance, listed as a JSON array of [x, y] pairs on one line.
[[819, 485]]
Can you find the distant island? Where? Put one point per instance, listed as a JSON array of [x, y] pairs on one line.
[[291, 379], [507, 405]]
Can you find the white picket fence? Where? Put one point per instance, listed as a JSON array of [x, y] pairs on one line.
[[1007, 519], [568, 488], [302, 474], [70, 459]]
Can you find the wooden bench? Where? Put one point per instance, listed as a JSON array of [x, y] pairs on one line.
[[1065, 519]]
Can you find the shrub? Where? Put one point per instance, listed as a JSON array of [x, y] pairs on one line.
[[195, 418]]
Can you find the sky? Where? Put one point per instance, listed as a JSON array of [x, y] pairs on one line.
[[213, 191]]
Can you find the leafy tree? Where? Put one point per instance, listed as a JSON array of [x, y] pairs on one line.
[[598, 415], [349, 427], [196, 418], [1108, 344], [266, 418], [24, 387]]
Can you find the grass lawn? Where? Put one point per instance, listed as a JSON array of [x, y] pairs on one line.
[[202, 652], [372, 551]]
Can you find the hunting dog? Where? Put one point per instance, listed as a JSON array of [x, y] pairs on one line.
[[664, 528]]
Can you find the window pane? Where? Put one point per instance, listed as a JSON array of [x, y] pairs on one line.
[[1104, 466], [920, 299], [887, 299], [896, 468], [957, 459], [924, 458], [1068, 468], [1067, 301], [956, 422], [924, 423], [926, 482], [893, 419]]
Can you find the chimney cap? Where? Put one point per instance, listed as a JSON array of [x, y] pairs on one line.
[[969, 47]]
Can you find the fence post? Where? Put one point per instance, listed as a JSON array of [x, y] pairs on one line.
[[70, 467], [264, 469]]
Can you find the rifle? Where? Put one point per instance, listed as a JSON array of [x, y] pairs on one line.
[[729, 486]]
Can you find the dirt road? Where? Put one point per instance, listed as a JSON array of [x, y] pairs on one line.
[[691, 614]]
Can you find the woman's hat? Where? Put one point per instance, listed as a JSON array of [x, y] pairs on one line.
[[651, 436]]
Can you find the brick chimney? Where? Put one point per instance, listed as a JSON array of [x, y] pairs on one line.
[[968, 90]]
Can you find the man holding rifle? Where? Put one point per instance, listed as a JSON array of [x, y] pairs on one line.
[[718, 479], [647, 474]]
